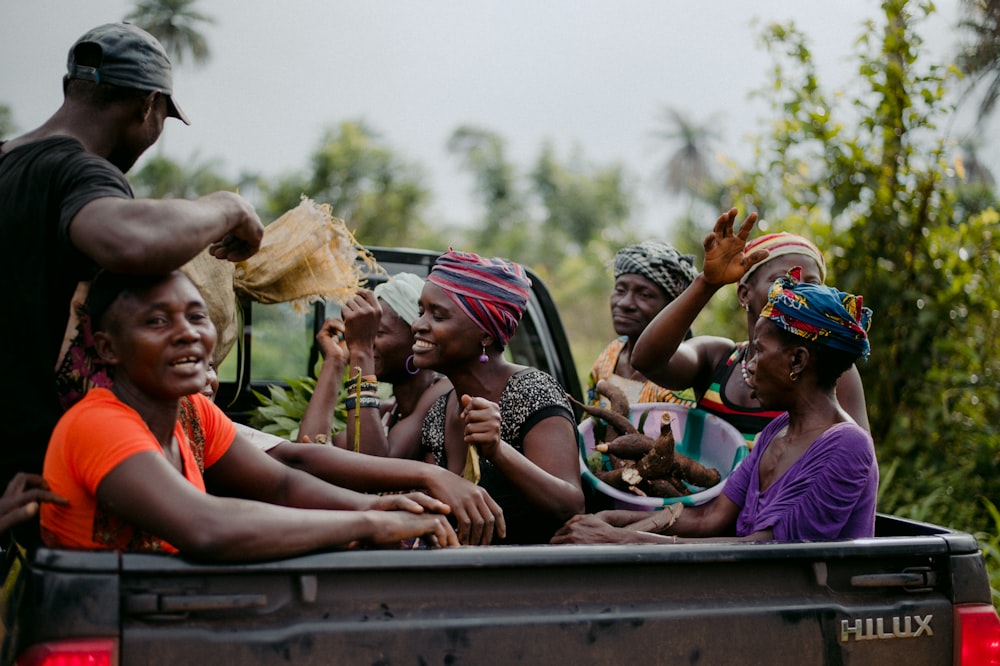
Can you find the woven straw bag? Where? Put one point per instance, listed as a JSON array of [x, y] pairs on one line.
[[306, 255]]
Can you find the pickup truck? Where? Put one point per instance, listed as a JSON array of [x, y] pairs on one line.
[[914, 594]]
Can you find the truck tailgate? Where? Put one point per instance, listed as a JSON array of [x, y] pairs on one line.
[[857, 602]]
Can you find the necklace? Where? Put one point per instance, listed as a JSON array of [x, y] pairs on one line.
[[743, 371]]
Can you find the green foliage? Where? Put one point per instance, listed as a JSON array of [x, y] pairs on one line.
[[380, 196], [280, 412], [595, 462], [7, 126], [990, 544], [581, 286], [564, 219], [163, 178], [282, 338], [580, 202], [866, 173], [505, 229]]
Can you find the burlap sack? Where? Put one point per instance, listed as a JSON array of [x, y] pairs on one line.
[[214, 279], [306, 256]]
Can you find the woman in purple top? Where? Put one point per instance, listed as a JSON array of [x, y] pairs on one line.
[[813, 473]]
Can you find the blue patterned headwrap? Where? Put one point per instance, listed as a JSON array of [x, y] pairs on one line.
[[819, 313], [491, 292]]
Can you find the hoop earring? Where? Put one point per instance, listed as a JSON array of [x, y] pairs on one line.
[[793, 376], [483, 358], [409, 361]]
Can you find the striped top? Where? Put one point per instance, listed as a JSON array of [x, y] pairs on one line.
[[748, 420]]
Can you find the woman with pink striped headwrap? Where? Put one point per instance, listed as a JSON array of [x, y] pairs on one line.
[[714, 366], [509, 427]]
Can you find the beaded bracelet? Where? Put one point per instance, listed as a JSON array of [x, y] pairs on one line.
[[366, 400], [357, 412], [352, 385]]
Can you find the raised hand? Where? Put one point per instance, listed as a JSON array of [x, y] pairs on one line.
[[362, 315], [330, 339], [724, 260]]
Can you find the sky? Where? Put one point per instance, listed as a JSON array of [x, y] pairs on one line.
[[590, 76]]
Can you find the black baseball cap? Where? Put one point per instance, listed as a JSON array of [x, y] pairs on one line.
[[123, 54]]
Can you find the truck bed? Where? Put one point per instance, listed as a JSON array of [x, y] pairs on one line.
[[853, 602]]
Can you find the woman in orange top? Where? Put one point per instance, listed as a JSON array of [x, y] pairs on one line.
[[134, 482]]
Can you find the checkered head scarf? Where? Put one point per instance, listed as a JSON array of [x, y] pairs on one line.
[[819, 313], [491, 292], [658, 262]]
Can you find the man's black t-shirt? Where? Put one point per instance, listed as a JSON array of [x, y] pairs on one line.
[[43, 185]]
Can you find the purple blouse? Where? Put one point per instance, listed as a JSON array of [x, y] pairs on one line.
[[828, 493]]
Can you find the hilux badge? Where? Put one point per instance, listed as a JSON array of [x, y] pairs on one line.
[[879, 628]]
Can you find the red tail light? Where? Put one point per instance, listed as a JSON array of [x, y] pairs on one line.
[[977, 635], [83, 652]]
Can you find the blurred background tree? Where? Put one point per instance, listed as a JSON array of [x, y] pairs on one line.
[[563, 218], [161, 177], [179, 27], [979, 58], [381, 196], [688, 171]]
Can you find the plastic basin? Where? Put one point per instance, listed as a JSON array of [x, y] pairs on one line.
[[699, 435]]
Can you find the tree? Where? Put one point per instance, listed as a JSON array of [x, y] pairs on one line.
[[553, 211], [378, 194], [163, 178], [564, 219], [866, 174], [504, 229], [688, 170], [980, 58], [177, 24], [582, 202], [973, 182]]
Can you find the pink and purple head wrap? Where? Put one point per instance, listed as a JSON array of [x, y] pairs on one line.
[[491, 292]]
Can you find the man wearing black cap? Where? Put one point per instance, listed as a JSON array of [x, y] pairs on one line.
[[66, 210]]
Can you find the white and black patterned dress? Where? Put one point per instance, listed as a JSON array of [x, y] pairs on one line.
[[529, 397]]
